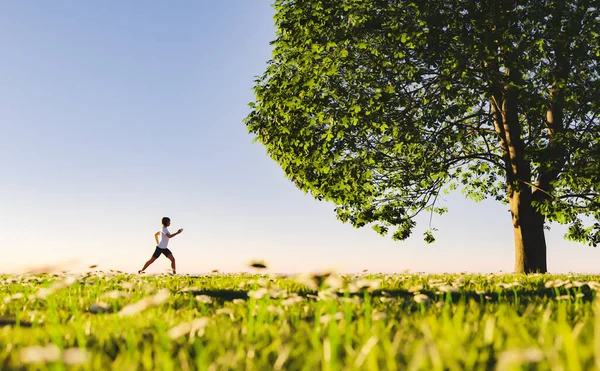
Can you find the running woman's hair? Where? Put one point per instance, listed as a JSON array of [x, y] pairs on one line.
[[165, 220]]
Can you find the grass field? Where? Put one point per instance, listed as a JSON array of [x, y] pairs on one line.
[[102, 321]]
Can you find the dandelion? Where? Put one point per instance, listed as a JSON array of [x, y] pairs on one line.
[[593, 285], [366, 284], [39, 354], [326, 295], [334, 282], [291, 300], [354, 300], [276, 292], [127, 285], [188, 289], [560, 283], [326, 318], [308, 281], [44, 292], [415, 289], [194, 328], [519, 357], [447, 288], [115, 294], [149, 288], [421, 298], [258, 294], [275, 310], [205, 299], [148, 302], [508, 285], [226, 311], [180, 330], [378, 316], [99, 307], [75, 356]]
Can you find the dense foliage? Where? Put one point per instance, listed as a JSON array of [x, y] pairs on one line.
[[380, 105]]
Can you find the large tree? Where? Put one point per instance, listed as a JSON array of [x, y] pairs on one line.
[[380, 105]]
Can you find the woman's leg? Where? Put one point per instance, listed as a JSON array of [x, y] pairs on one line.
[[152, 259], [172, 259]]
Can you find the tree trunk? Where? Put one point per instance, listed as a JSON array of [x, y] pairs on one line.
[[528, 227]]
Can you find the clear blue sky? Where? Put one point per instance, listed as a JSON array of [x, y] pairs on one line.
[[114, 114]]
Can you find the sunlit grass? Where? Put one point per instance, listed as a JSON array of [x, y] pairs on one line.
[[99, 321]]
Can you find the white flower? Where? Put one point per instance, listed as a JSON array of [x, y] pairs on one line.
[[258, 294], [147, 302], [204, 299], [36, 354], [420, 298], [291, 300], [180, 330], [44, 292], [115, 294], [593, 285], [334, 282], [194, 328], [447, 288], [127, 285], [99, 307], [367, 284], [377, 316], [415, 288], [308, 281], [75, 356], [519, 357], [275, 310], [227, 311]]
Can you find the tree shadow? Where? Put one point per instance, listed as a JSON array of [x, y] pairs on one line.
[[519, 295]]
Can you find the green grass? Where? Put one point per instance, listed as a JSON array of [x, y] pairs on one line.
[[101, 321]]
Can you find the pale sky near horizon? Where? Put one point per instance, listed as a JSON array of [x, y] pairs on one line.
[[114, 114]]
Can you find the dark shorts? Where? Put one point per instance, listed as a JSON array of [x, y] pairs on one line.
[[159, 251]]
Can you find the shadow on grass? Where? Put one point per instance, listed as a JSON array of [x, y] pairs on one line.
[[12, 321], [511, 296]]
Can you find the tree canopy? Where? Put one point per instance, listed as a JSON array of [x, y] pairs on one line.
[[379, 106]]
